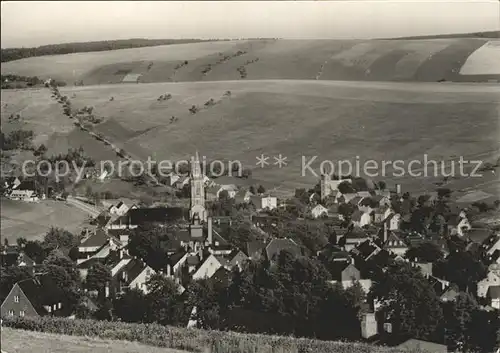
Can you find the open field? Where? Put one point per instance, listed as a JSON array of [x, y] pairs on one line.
[[427, 60], [21, 341], [331, 119], [33, 220]]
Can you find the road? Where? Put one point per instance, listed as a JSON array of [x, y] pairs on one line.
[[91, 210]]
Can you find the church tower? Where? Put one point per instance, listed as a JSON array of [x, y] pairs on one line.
[[326, 188], [197, 206]]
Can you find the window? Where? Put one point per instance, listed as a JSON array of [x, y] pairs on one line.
[[49, 309], [55, 307], [11, 312], [59, 305], [21, 313], [16, 299]]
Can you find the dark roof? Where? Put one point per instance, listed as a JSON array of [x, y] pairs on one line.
[[494, 292], [175, 258], [365, 249], [141, 216], [193, 260], [27, 185], [133, 268], [98, 238], [41, 291], [254, 246], [278, 245]]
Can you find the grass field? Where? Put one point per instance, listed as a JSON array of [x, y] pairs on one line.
[[428, 60], [333, 120], [20, 341], [33, 220]]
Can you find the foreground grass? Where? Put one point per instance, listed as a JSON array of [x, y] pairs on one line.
[[21, 341], [191, 340]]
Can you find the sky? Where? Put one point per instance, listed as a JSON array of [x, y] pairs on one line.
[[49, 22]]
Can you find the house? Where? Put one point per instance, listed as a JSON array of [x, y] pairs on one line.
[[361, 219], [25, 191], [422, 346], [353, 237], [119, 209], [493, 296], [97, 241], [492, 279], [329, 186], [319, 211], [255, 249], [207, 269], [450, 294], [395, 244], [128, 274], [11, 183], [230, 188], [345, 198], [393, 221], [34, 297], [264, 202], [242, 196], [140, 216], [459, 225], [278, 245], [491, 244], [18, 259]]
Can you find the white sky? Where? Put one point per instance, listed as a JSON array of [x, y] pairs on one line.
[[37, 23]]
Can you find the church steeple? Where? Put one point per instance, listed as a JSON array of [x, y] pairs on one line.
[[197, 190]]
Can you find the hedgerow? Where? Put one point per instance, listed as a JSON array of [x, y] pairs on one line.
[[192, 340]]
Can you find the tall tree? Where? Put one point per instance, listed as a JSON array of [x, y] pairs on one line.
[[408, 301]]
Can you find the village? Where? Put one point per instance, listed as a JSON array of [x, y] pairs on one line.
[[356, 229]]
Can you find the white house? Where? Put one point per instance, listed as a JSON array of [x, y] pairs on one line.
[[264, 202], [319, 211], [119, 209], [207, 268], [492, 279]]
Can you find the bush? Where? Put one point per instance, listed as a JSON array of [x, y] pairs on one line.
[[193, 340]]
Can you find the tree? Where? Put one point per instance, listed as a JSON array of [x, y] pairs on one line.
[[58, 238], [408, 301], [381, 185], [164, 302], [425, 252], [65, 276], [261, 189], [21, 242], [131, 306], [35, 250], [458, 318], [345, 187], [98, 277], [463, 269]]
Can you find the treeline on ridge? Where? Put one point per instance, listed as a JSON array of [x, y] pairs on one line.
[[9, 54]]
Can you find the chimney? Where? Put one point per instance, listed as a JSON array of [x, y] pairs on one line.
[[200, 253], [169, 270], [398, 189], [106, 290], [209, 231], [385, 231]]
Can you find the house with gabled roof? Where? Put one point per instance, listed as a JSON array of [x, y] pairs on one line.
[[207, 268], [395, 244], [278, 245], [38, 296], [264, 202], [119, 209], [493, 296], [95, 242], [319, 211], [130, 273], [25, 191]]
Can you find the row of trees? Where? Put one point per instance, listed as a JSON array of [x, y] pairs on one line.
[[17, 139]]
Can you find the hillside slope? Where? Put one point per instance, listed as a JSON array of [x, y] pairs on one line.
[[419, 60], [331, 120], [21, 341]]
